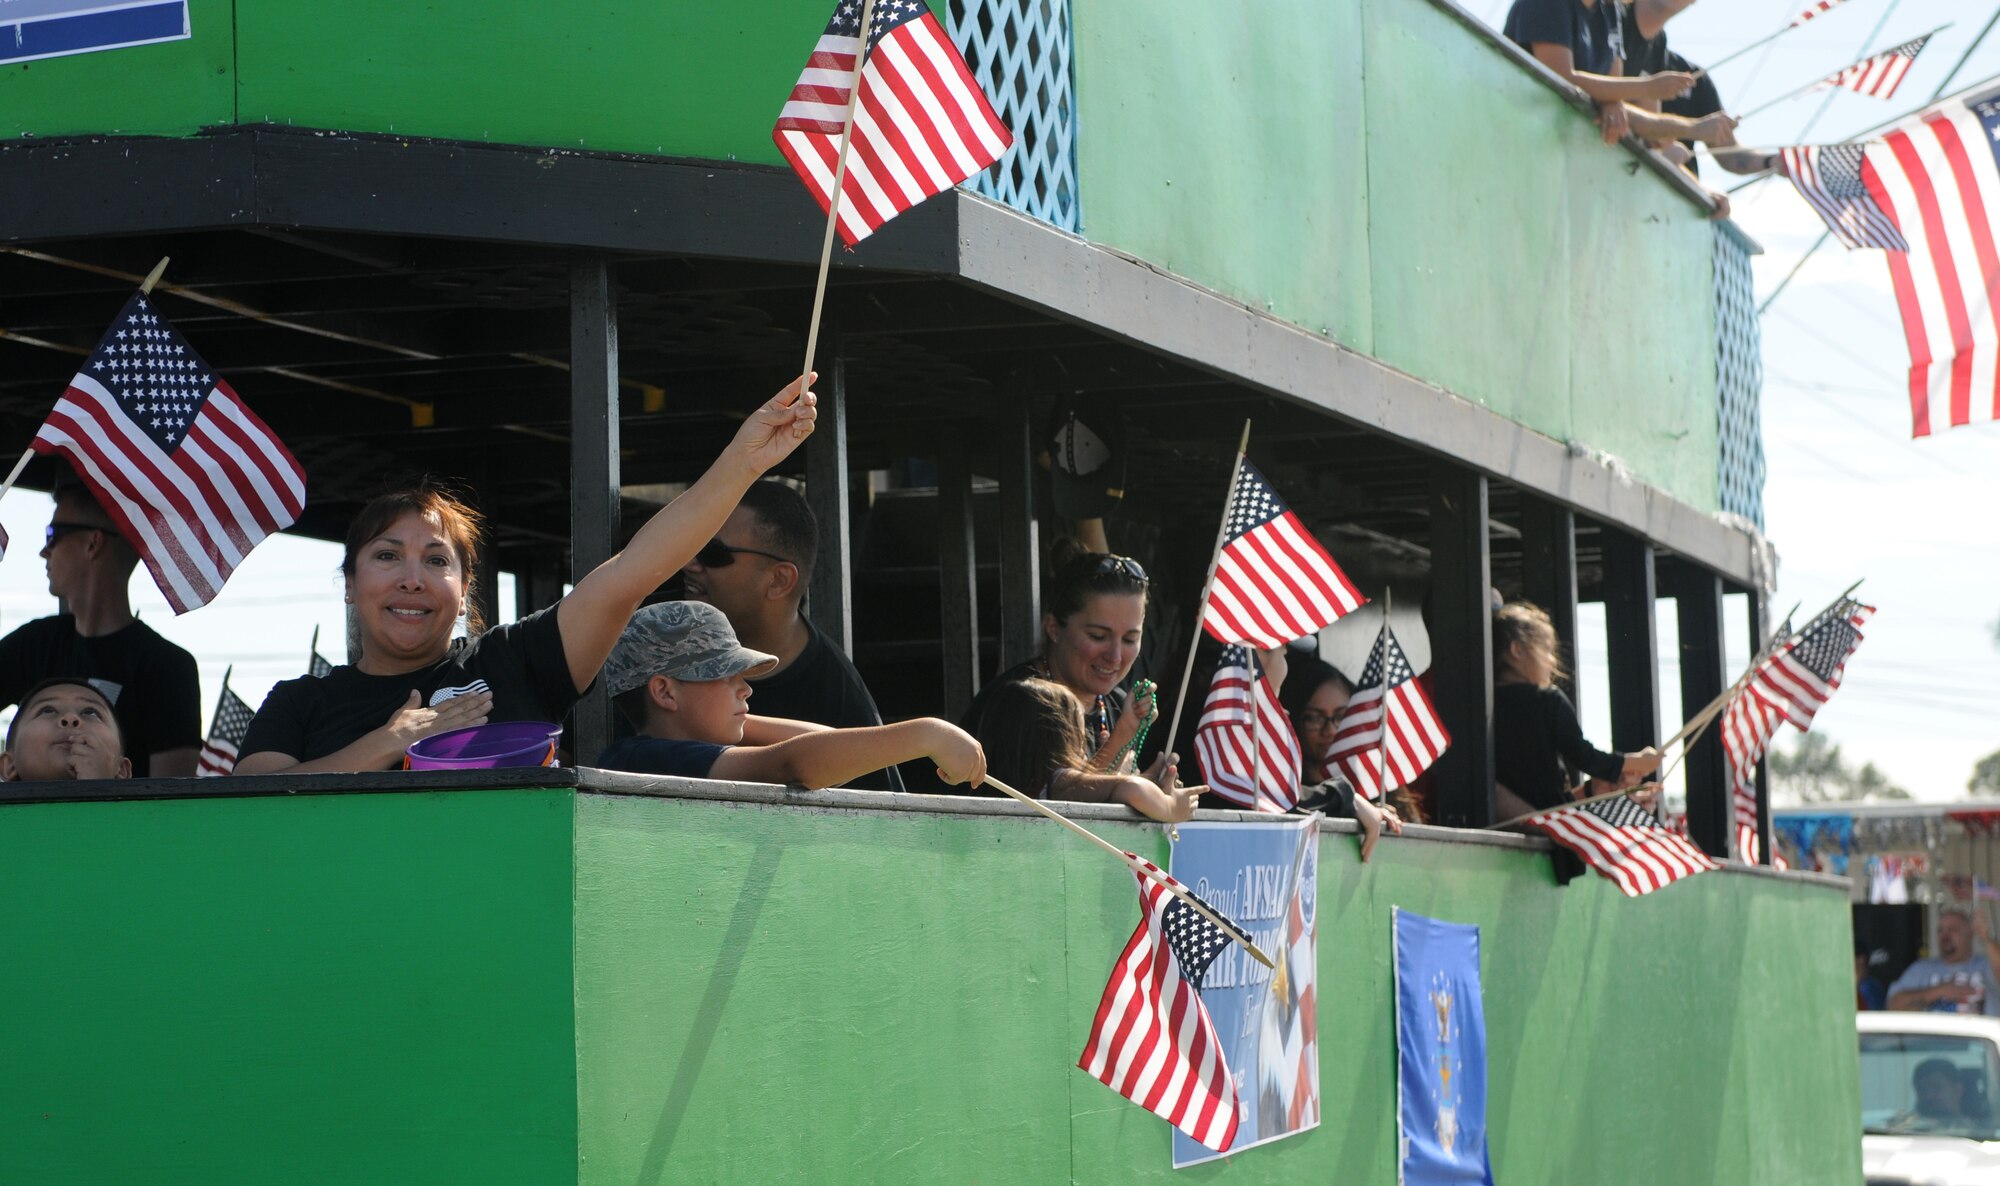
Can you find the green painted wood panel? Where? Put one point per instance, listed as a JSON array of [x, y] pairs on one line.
[[172, 89], [1229, 150], [325, 990]]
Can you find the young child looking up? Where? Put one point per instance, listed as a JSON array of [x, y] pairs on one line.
[[1535, 730], [679, 675]]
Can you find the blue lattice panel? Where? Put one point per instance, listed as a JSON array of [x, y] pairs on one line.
[[1739, 380], [1020, 52]]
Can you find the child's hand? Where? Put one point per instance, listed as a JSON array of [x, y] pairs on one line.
[[959, 758]]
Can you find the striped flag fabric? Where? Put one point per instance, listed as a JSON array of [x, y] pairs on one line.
[[1938, 177], [1249, 754], [1388, 722], [1273, 581], [922, 124], [1828, 177], [225, 735], [1880, 75], [1797, 681], [1625, 842], [1818, 7], [187, 471], [1152, 1041], [1747, 724]]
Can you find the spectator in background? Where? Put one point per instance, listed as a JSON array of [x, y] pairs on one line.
[[66, 729], [1581, 40], [1959, 979], [1535, 730], [679, 675], [150, 682], [756, 571], [1314, 694], [1036, 741]]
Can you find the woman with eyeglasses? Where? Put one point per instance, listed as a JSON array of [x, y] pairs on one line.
[[409, 561], [1315, 694], [1093, 620]]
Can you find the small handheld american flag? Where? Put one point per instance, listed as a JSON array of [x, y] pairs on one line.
[[1798, 680], [1828, 177], [1625, 842], [1273, 581], [187, 471], [1248, 759], [921, 124], [1880, 75], [225, 735], [1389, 733], [1152, 1041]]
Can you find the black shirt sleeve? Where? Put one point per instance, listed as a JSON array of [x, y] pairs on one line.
[[176, 702], [1570, 741], [537, 641], [1532, 21], [280, 726]]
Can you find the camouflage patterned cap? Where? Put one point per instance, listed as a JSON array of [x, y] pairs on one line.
[[688, 640]]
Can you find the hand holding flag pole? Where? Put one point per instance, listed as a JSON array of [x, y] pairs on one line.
[[1142, 868], [27, 455]]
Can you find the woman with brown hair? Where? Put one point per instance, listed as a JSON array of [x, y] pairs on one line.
[[1535, 730], [1034, 736], [408, 567]]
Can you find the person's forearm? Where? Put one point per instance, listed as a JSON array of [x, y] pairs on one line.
[[1652, 15], [771, 730], [1606, 89], [374, 750], [836, 756], [1653, 125]]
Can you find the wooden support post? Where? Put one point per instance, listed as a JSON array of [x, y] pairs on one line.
[[593, 456], [486, 578], [1548, 573], [1020, 542], [830, 597], [1461, 631], [1632, 640], [958, 575], [1760, 629], [538, 584], [1698, 610]]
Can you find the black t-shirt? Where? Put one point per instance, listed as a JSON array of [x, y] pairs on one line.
[[521, 663], [661, 755], [1534, 732], [821, 687], [151, 683], [1592, 34]]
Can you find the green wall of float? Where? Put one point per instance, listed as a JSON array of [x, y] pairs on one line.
[[538, 986], [1305, 163]]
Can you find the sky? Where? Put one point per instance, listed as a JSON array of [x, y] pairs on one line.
[[1849, 495]]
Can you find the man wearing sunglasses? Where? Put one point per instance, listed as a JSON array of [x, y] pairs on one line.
[[149, 681], [755, 571]]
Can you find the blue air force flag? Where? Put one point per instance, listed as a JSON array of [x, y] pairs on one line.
[[1441, 1054]]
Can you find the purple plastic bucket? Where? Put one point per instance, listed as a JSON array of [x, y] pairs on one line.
[[483, 747]]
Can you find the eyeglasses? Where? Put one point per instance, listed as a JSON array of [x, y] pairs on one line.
[[57, 530], [1309, 719], [716, 554], [1120, 564]]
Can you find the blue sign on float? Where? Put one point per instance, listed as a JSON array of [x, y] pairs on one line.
[[1441, 1054], [32, 29]]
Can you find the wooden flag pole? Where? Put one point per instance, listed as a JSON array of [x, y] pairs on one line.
[[833, 199], [1173, 887], [1208, 583], [1382, 738], [28, 454]]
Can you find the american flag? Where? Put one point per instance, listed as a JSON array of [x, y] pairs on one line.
[[188, 472], [1253, 763], [1797, 681], [1388, 718], [1828, 177], [1625, 842], [1880, 75], [1938, 176], [1152, 1041], [1273, 582], [1748, 724], [1819, 7], [921, 127], [225, 735]]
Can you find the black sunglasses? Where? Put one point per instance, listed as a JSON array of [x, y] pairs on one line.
[[716, 554], [1108, 564], [57, 530]]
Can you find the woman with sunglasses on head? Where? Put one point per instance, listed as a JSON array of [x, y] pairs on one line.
[[1093, 620], [408, 564], [1315, 695]]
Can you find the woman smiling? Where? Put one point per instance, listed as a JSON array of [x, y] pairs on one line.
[[408, 570]]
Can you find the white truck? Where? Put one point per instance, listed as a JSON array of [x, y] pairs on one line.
[[1930, 1083]]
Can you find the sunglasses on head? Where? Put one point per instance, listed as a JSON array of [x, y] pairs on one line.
[[56, 531], [1120, 564], [716, 554]]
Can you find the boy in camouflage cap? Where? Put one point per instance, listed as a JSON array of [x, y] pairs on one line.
[[679, 675]]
